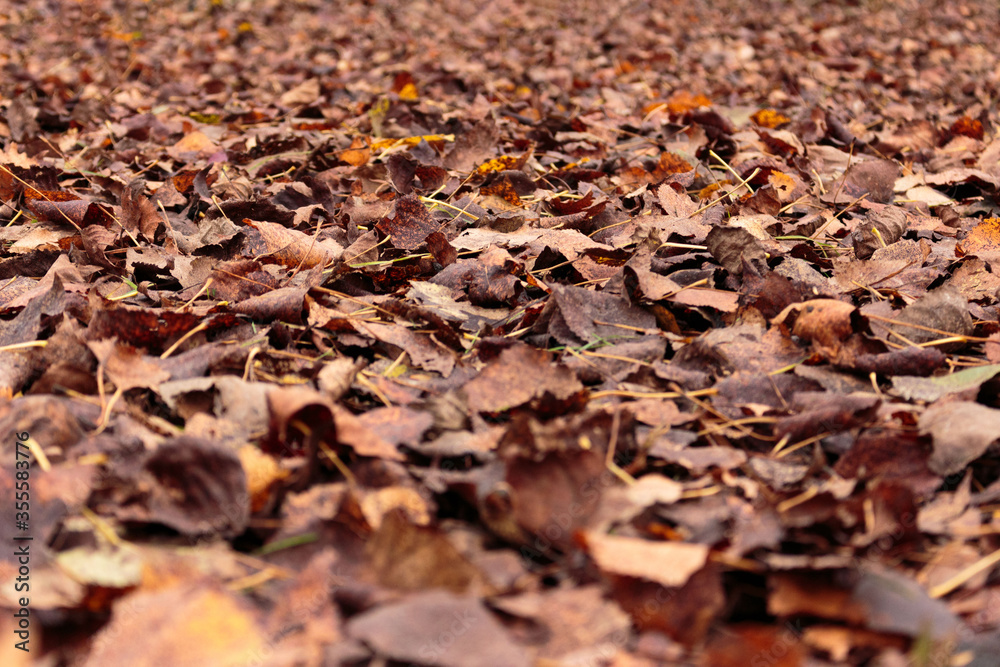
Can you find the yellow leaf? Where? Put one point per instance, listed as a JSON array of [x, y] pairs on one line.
[[498, 164], [409, 92], [383, 144]]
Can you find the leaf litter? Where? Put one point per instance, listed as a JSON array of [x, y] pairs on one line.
[[522, 333]]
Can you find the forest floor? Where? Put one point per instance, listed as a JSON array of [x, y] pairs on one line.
[[500, 333]]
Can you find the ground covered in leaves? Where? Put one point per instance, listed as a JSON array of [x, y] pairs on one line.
[[464, 333]]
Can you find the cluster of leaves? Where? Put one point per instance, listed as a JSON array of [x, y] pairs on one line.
[[659, 336]]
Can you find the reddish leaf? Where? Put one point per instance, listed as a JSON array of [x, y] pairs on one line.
[[409, 225], [517, 376]]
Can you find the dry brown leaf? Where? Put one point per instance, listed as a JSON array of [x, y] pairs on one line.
[[669, 564], [292, 248], [961, 431]]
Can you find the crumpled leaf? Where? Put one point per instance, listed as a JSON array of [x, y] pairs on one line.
[[824, 322], [889, 222], [733, 247], [410, 223], [138, 212]]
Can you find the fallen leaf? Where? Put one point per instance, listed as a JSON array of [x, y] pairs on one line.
[[223, 630], [517, 376], [410, 223], [961, 432], [666, 563], [439, 628]]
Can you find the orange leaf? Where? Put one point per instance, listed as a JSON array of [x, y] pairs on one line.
[[967, 127], [671, 163], [983, 239], [783, 184], [409, 92], [769, 118], [358, 153], [683, 101], [503, 190]]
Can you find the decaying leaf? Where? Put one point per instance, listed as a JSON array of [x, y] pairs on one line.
[[984, 240], [880, 228]]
